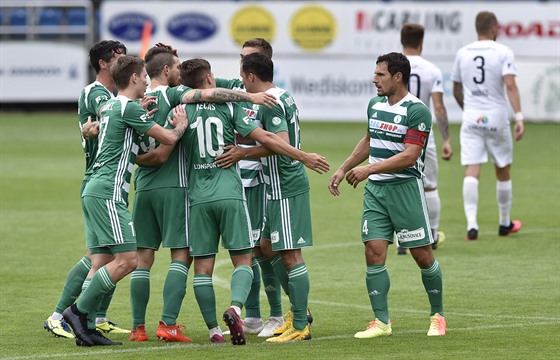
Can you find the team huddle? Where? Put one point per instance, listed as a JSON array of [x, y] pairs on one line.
[[219, 161]]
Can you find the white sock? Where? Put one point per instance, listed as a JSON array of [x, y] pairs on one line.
[[237, 309], [434, 208], [504, 197], [100, 320], [215, 331], [470, 201], [279, 318], [252, 320], [56, 316]]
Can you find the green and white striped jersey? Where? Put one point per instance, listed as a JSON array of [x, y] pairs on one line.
[[211, 127], [250, 169], [171, 173], [122, 122], [284, 177], [388, 126], [92, 98]]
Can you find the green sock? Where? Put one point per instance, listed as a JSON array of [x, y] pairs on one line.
[[105, 302], [271, 286], [73, 285], [90, 317], [281, 272], [253, 302], [139, 296], [378, 284], [432, 280], [206, 299], [299, 294], [174, 291], [241, 280], [89, 301]]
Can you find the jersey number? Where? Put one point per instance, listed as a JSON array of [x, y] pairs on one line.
[[416, 79], [204, 134], [479, 60]]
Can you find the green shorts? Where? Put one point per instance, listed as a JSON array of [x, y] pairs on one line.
[[226, 218], [396, 209], [110, 225], [161, 217], [287, 223], [256, 200]]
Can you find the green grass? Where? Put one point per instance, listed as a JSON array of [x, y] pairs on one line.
[[502, 295]]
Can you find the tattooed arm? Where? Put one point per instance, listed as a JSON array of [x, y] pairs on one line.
[[221, 95]]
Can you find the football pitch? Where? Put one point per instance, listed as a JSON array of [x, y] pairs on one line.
[[501, 295]]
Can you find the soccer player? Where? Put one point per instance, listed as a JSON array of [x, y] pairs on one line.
[[105, 196], [480, 71], [101, 55], [394, 202], [255, 190], [161, 202], [426, 82], [287, 227], [218, 206]]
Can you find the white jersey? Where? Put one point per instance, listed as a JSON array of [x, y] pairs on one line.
[[480, 67], [425, 79]]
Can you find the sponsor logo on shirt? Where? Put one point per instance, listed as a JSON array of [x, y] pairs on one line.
[[375, 124]]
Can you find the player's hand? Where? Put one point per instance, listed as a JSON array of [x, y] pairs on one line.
[[265, 99], [90, 129], [179, 117], [167, 46], [232, 155], [335, 181], [357, 175], [519, 130], [446, 150], [146, 101], [316, 162]]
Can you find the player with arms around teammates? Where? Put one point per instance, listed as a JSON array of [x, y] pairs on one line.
[[218, 205], [105, 196], [480, 72], [161, 202], [102, 56], [394, 202]]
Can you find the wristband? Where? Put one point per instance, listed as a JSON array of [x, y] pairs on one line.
[[519, 116]]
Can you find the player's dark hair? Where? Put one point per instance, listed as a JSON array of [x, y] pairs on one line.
[[156, 58], [485, 21], [124, 68], [396, 62], [265, 47], [104, 50], [259, 65], [194, 72], [412, 35]]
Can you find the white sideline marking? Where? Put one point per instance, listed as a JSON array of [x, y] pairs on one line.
[[208, 345]]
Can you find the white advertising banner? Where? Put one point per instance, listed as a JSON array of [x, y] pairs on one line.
[[342, 28], [42, 72]]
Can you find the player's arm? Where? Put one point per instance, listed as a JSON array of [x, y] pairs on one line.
[[90, 129], [155, 157], [443, 125], [272, 144], [358, 156], [458, 93], [221, 95], [170, 136], [515, 101]]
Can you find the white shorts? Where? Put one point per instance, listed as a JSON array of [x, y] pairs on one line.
[[478, 140], [431, 163]]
